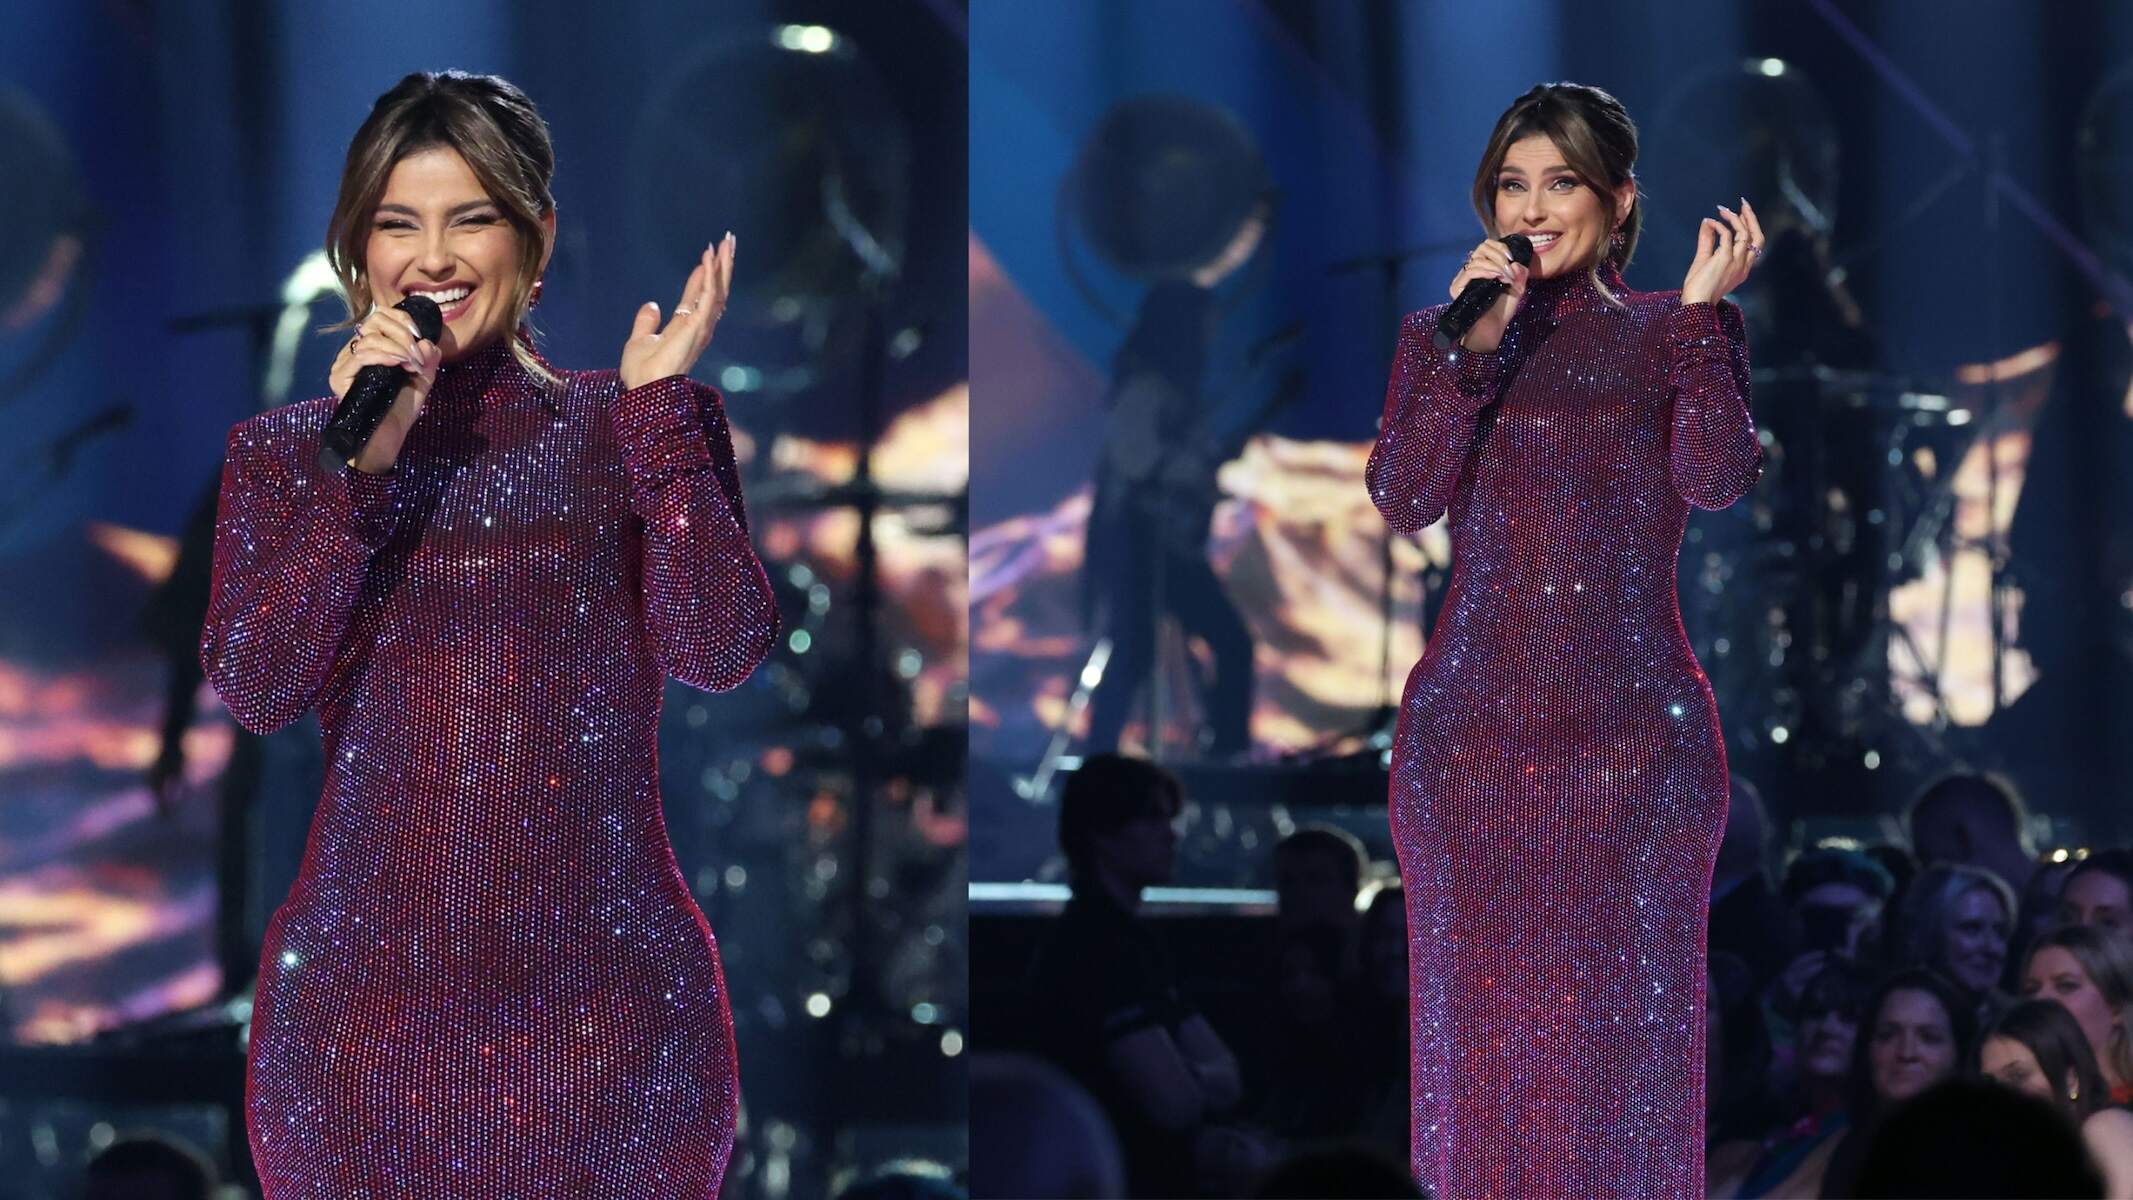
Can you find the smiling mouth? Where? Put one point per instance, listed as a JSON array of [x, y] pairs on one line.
[[451, 302]]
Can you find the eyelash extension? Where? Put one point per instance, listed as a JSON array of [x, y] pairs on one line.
[[481, 219]]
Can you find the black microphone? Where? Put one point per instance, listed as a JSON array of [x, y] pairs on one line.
[[370, 397], [1479, 295]]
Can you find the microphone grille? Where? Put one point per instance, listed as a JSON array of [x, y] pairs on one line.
[[1521, 248], [429, 322]]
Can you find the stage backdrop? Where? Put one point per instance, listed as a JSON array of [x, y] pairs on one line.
[[1933, 571]]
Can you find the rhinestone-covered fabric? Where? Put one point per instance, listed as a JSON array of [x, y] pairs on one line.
[[1559, 783], [489, 979]]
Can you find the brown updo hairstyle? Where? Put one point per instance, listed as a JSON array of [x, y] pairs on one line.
[[1597, 140], [495, 128]]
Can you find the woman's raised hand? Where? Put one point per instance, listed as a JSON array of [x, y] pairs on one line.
[[655, 353], [1725, 252], [1491, 260]]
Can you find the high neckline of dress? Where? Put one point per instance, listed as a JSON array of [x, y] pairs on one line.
[[1563, 295], [489, 375]]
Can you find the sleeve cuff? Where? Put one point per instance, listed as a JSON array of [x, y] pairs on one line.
[[1694, 325], [1479, 370], [660, 432], [363, 504]]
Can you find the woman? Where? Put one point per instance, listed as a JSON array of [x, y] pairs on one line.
[[1957, 920], [489, 978], [2099, 892], [1917, 1033], [2038, 1047], [1815, 1099], [1559, 783], [2090, 973]]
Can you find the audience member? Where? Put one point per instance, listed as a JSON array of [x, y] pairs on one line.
[[1737, 1054], [1315, 1087], [1957, 919], [1379, 1002], [1744, 905], [1834, 899], [1115, 1017], [1037, 1135], [1900, 865], [149, 1166], [2037, 1047], [1967, 1137], [1969, 819], [1814, 1086], [1338, 1171], [1917, 1033], [2090, 971], [2038, 915], [2099, 891], [1318, 873]]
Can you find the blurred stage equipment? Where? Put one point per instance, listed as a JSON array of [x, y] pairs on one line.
[[43, 244], [44, 250], [1786, 595], [1170, 192], [1161, 186], [790, 136]]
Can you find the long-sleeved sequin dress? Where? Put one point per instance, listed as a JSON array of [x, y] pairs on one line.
[[1559, 783], [489, 979]]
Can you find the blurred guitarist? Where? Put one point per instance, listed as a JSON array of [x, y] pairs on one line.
[[1146, 553]]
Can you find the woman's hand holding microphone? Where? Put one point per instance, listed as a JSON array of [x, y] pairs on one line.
[[387, 338], [1491, 260]]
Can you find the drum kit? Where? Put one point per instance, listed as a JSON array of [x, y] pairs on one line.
[[1786, 596], [1828, 695]]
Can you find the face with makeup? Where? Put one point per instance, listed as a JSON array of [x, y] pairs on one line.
[[437, 232], [2097, 898], [2014, 1064], [1568, 218], [1912, 1044], [2056, 974]]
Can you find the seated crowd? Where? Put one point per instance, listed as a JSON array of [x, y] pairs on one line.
[[1943, 1017]]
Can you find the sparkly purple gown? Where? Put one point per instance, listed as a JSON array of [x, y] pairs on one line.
[[489, 979], [1559, 783]]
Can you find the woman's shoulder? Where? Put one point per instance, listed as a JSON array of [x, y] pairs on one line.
[[2112, 1121], [1420, 322], [281, 432]]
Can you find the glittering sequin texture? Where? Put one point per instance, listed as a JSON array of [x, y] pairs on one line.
[[489, 979], [1559, 784]]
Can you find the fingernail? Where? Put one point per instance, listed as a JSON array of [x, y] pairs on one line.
[[1744, 202]]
